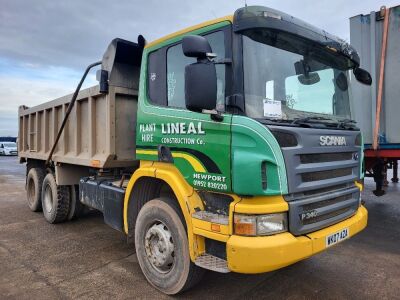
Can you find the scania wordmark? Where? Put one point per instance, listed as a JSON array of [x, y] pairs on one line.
[[226, 146]]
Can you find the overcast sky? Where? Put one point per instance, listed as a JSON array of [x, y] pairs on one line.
[[45, 45]]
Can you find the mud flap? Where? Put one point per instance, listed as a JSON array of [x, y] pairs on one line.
[[105, 197]]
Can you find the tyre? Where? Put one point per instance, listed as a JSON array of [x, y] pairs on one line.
[[55, 200], [76, 207], [162, 247], [34, 182]]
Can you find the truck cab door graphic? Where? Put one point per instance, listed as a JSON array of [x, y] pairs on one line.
[[197, 145]]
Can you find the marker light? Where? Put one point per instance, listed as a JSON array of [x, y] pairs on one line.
[[270, 14], [245, 225]]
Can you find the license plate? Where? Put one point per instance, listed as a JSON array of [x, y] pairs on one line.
[[337, 237]]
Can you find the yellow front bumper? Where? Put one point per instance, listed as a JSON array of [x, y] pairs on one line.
[[264, 254]]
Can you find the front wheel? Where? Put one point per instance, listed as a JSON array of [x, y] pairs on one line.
[[162, 247]]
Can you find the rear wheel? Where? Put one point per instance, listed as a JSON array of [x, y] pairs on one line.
[[162, 247], [76, 207], [55, 200], [34, 182]]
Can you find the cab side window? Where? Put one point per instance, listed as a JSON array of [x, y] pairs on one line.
[[166, 73], [157, 77], [176, 62]]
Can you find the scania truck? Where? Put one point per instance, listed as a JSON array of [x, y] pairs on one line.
[[227, 146]]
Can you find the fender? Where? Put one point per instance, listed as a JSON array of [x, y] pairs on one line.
[[188, 199]]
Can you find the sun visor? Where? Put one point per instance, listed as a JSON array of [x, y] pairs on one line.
[[253, 19]]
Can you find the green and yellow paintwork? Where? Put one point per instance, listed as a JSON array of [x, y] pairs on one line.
[[217, 139], [237, 145], [192, 160]]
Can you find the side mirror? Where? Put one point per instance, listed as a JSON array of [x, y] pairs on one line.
[[200, 86], [200, 77], [362, 76], [196, 46], [102, 78]]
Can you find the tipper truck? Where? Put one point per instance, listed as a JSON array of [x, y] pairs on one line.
[[227, 146]]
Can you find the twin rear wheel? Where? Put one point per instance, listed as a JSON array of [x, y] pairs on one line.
[[55, 200], [59, 203], [34, 182]]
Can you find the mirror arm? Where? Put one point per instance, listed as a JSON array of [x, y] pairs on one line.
[[223, 61], [235, 101], [214, 114]]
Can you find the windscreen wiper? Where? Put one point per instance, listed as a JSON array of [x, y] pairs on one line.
[[307, 119], [271, 120], [346, 124]]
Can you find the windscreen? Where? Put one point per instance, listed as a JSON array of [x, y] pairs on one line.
[[10, 144], [287, 79]]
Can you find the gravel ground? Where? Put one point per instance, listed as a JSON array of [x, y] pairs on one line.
[[87, 259]]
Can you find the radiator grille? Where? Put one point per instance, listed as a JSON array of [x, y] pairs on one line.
[[320, 204], [326, 216], [321, 188], [308, 214], [327, 189], [312, 167], [322, 175], [325, 157]]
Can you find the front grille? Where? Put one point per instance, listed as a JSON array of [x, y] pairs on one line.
[[321, 189], [312, 167], [323, 175], [308, 214], [324, 157], [326, 216], [320, 204], [326, 190]]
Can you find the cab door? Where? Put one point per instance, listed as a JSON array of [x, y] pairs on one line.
[[198, 146]]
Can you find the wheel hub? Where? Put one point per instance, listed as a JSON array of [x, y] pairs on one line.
[[159, 247]]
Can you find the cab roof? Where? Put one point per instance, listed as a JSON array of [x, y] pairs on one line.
[[189, 29]]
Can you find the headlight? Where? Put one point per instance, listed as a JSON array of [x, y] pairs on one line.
[[253, 225]]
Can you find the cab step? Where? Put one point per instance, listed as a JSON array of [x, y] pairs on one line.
[[213, 263]]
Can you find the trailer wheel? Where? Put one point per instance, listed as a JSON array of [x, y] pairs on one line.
[[162, 247], [55, 200], [34, 182], [76, 207]]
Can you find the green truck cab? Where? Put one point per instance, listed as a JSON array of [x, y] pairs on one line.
[[246, 156]]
